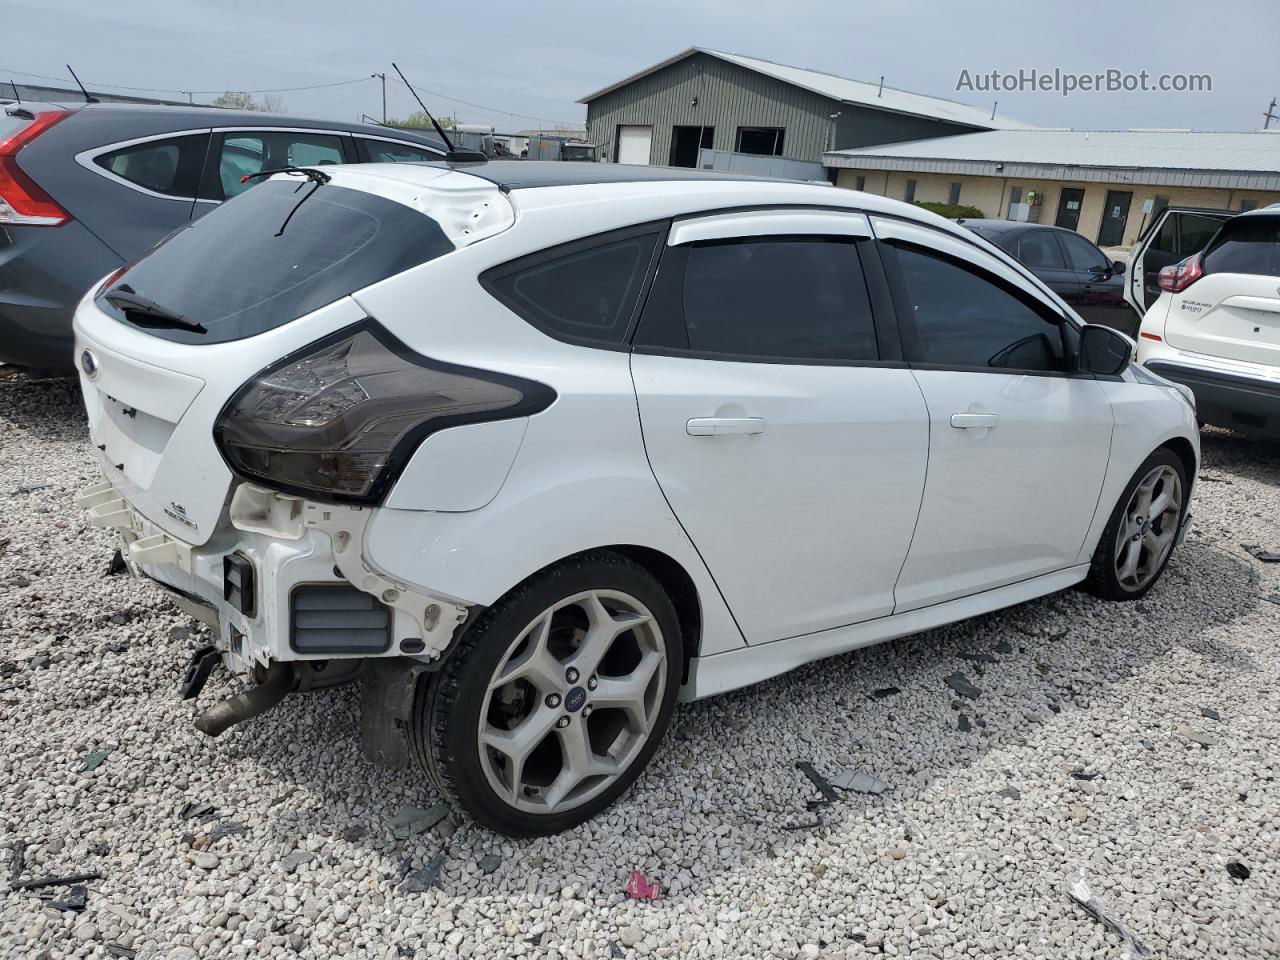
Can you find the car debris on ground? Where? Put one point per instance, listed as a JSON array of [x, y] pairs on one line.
[[1081, 894], [961, 685], [640, 887]]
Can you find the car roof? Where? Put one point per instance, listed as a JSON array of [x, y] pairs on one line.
[[528, 174], [183, 118]]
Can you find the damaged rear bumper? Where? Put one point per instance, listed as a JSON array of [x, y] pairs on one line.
[[283, 579]]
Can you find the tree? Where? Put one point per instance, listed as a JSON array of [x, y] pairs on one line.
[[419, 120], [233, 100], [240, 100]]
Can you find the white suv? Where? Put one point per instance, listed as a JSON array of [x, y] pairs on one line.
[[539, 448], [1216, 325]]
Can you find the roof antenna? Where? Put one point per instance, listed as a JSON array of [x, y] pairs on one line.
[[87, 98], [454, 155], [993, 109], [16, 95], [880, 92]]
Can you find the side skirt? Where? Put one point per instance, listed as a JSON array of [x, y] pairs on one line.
[[722, 672]]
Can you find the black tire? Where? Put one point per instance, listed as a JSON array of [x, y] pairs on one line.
[[1103, 579], [449, 702]]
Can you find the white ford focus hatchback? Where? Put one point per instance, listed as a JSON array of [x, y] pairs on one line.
[[537, 449]]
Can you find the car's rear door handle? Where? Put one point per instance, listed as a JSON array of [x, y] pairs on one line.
[[721, 426], [969, 421]]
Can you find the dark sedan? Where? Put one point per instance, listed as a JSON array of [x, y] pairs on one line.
[[1073, 268], [87, 188]]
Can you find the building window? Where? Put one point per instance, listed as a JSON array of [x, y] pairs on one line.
[[860, 183], [953, 197], [763, 141], [686, 143], [1248, 205], [909, 194], [1157, 205]]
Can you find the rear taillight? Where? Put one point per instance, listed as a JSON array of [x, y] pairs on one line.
[[21, 199], [338, 419], [1178, 276]]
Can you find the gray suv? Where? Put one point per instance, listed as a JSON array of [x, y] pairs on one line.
[[85, 189]]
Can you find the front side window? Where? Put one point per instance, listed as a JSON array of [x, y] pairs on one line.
[[779, 298], [171, 167], [583, 292], [1082, 255], [959, 316], [1248, 245], [248, 153]]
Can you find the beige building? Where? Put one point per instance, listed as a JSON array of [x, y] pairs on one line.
[[1104, 184]]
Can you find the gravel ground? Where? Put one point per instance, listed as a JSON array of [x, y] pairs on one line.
[[1136, 743]]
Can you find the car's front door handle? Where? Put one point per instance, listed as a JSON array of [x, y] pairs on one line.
[[970, 421], [721, 426]]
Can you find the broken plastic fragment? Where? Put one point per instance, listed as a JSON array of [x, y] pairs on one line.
[[93, 761], [1013, 793], [818, 780], [73, 902], [414, 820], [419, 881], [1211, 713], [859, 782], [115, 950], [1260, 553], [639, 888], [884, 692], [17, 860], [961, 685], [963, 724], [55, 881], [200, 811], [1079, 891]]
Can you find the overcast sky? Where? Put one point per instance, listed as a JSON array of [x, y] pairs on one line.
[[534, 59]]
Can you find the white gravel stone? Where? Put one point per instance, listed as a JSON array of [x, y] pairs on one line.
[[946, 864]]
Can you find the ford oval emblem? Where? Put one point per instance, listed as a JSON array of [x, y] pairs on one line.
[[89, 364]]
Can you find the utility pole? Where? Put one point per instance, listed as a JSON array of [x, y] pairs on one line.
[[383, 78], [1270, 115]]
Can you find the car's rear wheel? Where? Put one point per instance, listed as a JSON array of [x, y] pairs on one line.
[[1142, 531], [556, 697]]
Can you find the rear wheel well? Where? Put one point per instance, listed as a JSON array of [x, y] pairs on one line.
[[679, 586], [1182, 448]]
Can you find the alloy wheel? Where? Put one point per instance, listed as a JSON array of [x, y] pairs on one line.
[[1149, 528], [572, 702]]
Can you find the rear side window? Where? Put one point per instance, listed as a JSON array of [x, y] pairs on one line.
[[786, 298], [584, 292], [247, 153], [240, 270], [171, 167], [383, 151], [1246, 245], [959, 317], [1039, 251]]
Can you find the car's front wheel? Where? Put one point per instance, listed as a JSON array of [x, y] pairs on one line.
[[555, 698], [1142, 531]]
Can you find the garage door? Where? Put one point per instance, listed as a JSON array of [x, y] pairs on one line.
[[633, 144]]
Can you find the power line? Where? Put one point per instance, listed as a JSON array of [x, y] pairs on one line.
[[561, 124], [121, 86]]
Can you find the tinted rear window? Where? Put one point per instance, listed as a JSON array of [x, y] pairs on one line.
[[239, 270], [1246, 245]]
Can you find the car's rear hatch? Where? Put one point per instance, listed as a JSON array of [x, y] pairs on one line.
[[1233, 310], [165, 344]]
